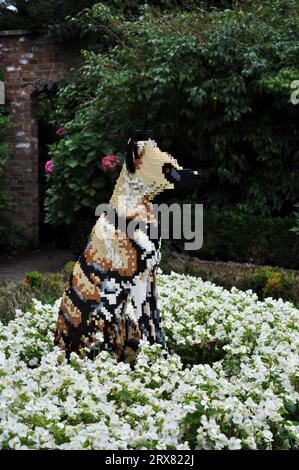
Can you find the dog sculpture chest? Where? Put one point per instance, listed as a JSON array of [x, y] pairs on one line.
[[119, 264]]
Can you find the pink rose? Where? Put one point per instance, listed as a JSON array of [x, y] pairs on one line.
[[110, 162], [60, 132], [49, 166]]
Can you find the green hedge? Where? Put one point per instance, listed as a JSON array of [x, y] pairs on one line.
[[230, 235]]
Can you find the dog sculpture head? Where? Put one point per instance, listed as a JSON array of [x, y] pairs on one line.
[[156, 171]]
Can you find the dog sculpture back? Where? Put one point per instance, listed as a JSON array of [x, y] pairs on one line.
[[119, 264]]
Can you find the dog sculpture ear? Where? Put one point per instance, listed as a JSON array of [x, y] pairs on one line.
[[132, 149], [131, 155]]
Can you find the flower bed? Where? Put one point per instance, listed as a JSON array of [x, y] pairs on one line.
[[231, 381]]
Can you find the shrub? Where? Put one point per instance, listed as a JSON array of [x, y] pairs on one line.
[[13, 296], [45, 287], [34, 279], [77, 176], [274, 282], [66, 270], [233, 235], [11, 239], [265, 281], [296, 227]]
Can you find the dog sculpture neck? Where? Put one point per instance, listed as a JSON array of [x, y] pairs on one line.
[[129, 198], [134, 191]]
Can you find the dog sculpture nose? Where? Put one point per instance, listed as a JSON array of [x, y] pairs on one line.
[[182, 179]]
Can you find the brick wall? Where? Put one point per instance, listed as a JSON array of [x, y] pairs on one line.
[[28, 62]]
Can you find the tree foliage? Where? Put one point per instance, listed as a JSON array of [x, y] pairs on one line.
[[48, 16], [38, 15]]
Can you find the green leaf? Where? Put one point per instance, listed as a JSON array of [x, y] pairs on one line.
[[98, 183], [73, 163], [87, 201]]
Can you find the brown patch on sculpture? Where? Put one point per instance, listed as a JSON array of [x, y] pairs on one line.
[[92, 337], [82, 284], [133, 331], [60, 342], [72, 312], [111, 333], [138, 160], [154, 279], [145, 201], [85, 341], [121, 246], [96, 280], [143, 211], [61, 327], [100, 325], [128, 255], [129, 355], [120, 338], [92, 258]]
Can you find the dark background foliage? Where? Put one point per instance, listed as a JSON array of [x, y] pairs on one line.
[[40, 16], [37, 15]]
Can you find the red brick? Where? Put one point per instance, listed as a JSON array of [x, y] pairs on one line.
[[50, 63]]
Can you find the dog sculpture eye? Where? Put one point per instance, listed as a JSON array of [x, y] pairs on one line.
[[167, 167]]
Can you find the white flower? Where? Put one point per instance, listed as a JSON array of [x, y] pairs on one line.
[[267, 435], [251, 442], [234, 444], [14, 443], [52, 404]]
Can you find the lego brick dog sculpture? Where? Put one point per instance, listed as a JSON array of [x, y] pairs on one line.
[[118, 264]]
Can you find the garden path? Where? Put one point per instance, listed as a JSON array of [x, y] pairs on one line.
[[43, 260]]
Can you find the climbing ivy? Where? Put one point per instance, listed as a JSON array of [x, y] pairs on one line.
[[8, 236], [4, 152]]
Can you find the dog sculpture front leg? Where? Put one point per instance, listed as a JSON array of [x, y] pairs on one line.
[[144, 299], [155, 314]]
